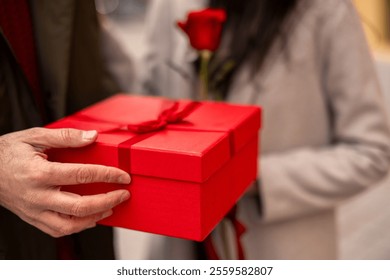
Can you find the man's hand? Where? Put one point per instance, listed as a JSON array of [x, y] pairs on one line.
[[30, 185]]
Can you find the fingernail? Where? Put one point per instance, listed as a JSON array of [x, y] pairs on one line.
[[125, 196], [124, 179], [107, 214], [89, 135]]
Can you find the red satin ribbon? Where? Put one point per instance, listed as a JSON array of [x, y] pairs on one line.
[[239, 229], [168, 116]]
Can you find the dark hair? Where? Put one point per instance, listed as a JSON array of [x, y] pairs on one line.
[[254, 26]]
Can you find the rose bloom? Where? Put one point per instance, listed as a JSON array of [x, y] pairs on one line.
[[204, 28]]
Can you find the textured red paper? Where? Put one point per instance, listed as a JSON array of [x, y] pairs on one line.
[[185, 178]]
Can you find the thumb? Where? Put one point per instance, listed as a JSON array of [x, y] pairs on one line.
[[61, 138]]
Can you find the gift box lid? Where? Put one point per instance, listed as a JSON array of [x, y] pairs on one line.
[[190, 150]]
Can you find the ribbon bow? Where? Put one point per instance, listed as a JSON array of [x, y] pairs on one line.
[[168, 116]]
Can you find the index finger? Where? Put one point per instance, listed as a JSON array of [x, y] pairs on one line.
[[78, 173]]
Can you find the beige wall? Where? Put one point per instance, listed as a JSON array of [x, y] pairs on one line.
[[374, 15]]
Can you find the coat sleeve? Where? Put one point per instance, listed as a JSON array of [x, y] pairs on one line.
[[309, 179]]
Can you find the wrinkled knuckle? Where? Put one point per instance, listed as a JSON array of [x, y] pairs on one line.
[[36, 176], [66, 228], [66, 135], [84, 175], [30, 201], [29, 215], [35, 131], [79, 210], [55, 234], [50, 231], [108, 176]]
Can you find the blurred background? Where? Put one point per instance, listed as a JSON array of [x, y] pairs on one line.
[[364, 221], [375, 15]]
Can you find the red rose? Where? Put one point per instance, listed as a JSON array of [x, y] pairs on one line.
[[204, 28]]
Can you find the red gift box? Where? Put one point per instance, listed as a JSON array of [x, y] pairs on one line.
[[185, 176]]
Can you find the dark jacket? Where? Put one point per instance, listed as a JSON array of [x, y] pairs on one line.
[[73, 76]]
